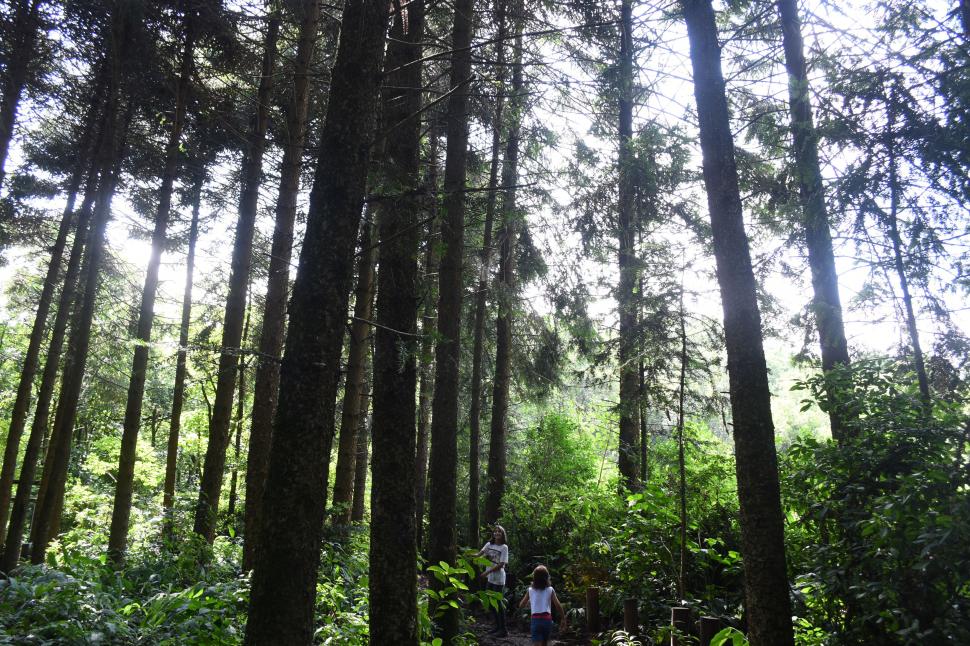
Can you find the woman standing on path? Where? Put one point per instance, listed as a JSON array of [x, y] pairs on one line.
[[497, 551]]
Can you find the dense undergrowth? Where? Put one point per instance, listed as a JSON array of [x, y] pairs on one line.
[[877, 531]]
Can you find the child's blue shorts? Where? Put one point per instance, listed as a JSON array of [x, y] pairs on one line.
[[541, 629]]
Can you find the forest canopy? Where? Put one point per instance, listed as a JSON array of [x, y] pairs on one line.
[[330, 323]]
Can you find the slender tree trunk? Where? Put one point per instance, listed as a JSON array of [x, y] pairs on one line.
[[266, 386], [37, 441], [360, 463], [627, 300], [232, 326], [26, 28], [681, 462], [51, 492], [393, 543], [360, 330], [826, 303], [505, 289], [965, 17], [642, 390], [284, 581], [762, 522], [892, 224], [121, 514], [481, 295], [426, 367], [240, 410], [443, 465], [181, 361], [18, 417]]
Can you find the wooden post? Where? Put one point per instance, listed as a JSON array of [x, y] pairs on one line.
[[631, 619], [709, 626], [680, 623], [592, 610]]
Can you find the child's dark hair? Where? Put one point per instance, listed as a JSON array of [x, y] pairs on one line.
[[540, 577], [499, 528]]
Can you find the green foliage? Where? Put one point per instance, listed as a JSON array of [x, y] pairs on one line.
[[729, 637], [86, 601], [878, 527]]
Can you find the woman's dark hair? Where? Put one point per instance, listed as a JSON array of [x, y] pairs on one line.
[[505, 538], [540, 577]]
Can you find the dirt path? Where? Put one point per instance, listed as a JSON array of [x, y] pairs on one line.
[[519, 635]]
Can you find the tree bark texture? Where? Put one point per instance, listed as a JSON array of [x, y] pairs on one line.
[[31, 360], [360, 331], [121, 513], [443, 464], [481, 294], [626, 298], [762, 523], [266, 382], [232, 325], [505, 291], [181, 359], [26, 29], [393, 544], [826, 304], [284, 581]]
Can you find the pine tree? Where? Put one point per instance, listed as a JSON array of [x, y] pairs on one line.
[[284, 581], [762, 523], [266, 381], [235, 312], [443, 463]]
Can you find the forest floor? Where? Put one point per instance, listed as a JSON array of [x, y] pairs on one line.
[[519, 634]]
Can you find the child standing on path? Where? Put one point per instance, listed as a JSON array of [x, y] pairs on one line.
[[497, 552], [541, 598]]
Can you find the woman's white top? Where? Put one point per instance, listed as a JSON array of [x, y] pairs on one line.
[[540, 600], [496, 554]]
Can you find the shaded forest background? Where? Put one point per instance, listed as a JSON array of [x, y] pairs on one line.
[[300, 299]]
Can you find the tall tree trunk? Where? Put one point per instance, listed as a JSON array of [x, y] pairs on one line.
[[118, 536], [36, 442], [626, 297], [232, 325], [826, 303], [240, 411], [393, 545], [181, 361], [266, 386], [481, 295], [108, 161], [18, 417], [26, 27], [505, 289], [360, 330], [762, 522], [360, 462], [426, 366], [443, 465], [681, 461], [284, 581], [965, 17]]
